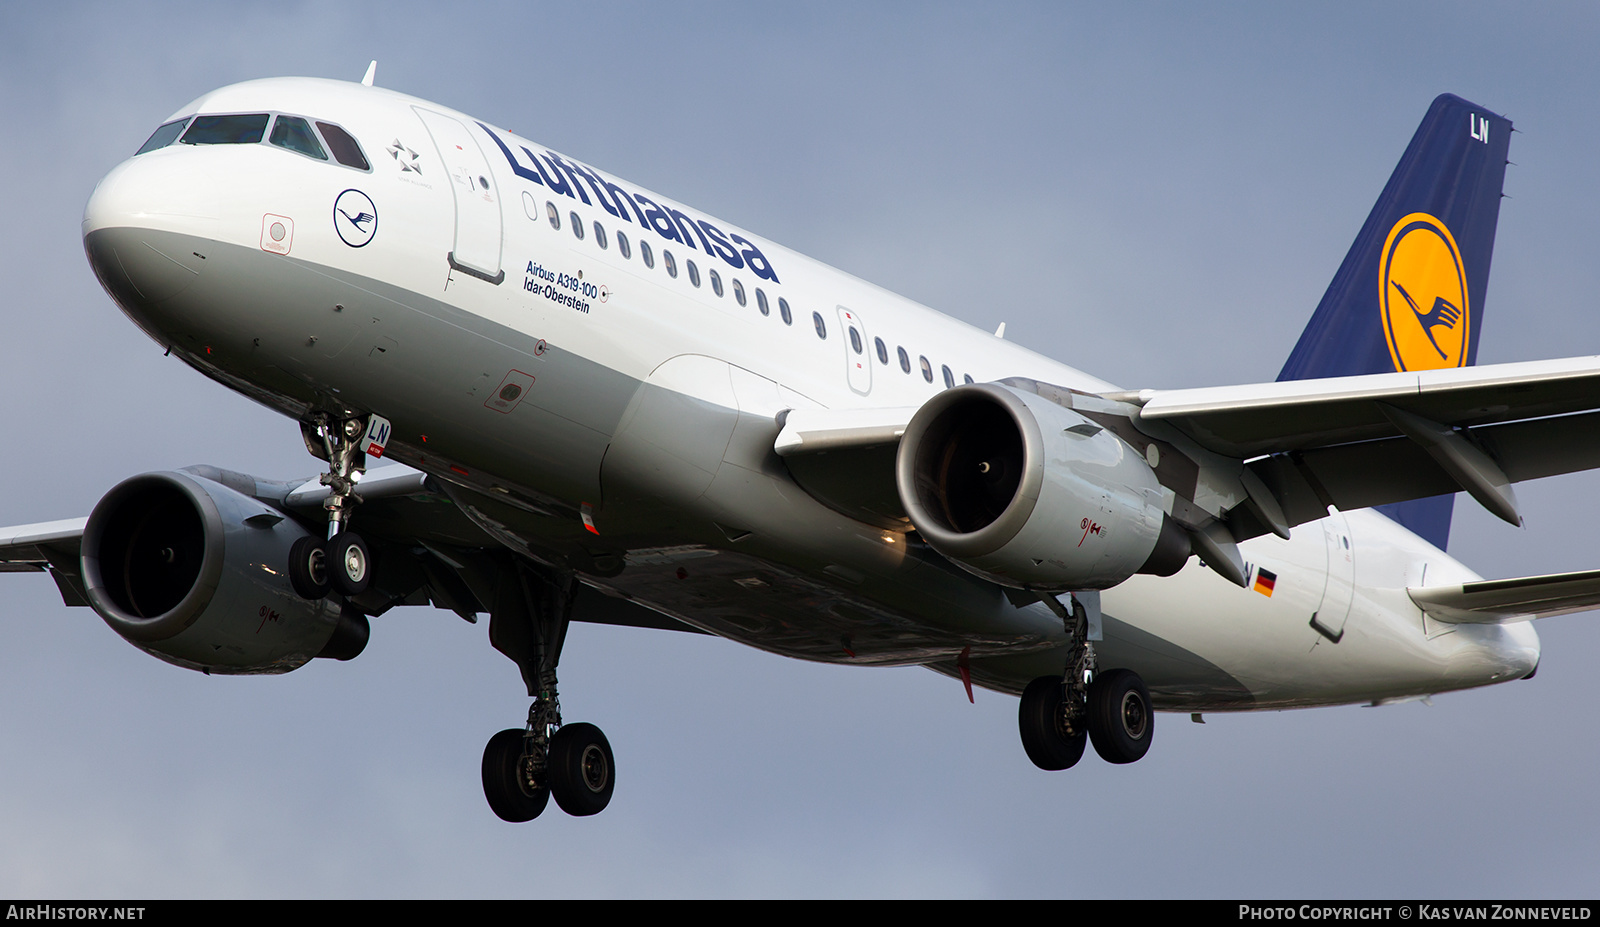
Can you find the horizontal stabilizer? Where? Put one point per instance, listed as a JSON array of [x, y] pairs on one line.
[[1500, 600]]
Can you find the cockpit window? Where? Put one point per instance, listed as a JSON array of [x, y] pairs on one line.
[[226, 130], [163, 136], [295, 134], [345, 149], [290, 132]]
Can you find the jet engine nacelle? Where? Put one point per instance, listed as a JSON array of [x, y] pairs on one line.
[[195, 573], [1027, 493]]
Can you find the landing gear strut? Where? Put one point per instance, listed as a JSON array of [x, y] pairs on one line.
[[1059, 714], [523, 769], [340, 563]]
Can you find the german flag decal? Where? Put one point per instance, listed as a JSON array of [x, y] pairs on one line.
[[1265, 581]]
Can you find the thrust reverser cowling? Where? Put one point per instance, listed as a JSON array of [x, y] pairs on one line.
[[1027, 493], [195, 573]]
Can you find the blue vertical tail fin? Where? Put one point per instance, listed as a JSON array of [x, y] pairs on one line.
[[1410, 293]]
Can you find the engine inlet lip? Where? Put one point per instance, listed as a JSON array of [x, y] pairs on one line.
[[188, 609], [1009, 523]]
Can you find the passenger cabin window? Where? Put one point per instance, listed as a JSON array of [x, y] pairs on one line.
[[646, 255], [905, 359], [949, 378], [577, 225], [883, 350], [226, 130], [669, 262], [761, 302], [966, 378], [694, 273], [738, 291], [554, 214], [855, 340], [783, 310], [927, 368], [163, 136], [822, 329], [600, 235], [295, 134], [345, 149], [622, 245], [716, 282]]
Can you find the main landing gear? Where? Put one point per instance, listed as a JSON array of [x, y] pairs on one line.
[[341, 563], [523, 769], [1059, 714]]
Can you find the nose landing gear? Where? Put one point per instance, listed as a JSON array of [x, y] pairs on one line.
[[342, 562]]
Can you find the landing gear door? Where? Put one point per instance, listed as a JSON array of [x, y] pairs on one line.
[[857, 360], [478, 220]]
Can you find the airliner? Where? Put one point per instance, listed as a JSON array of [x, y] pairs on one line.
[[544, 394]]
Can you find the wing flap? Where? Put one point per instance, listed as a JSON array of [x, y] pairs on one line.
[[1501, 600], [1370, 473]]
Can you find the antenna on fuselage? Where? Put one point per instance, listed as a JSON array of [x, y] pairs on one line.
[[372, 71]]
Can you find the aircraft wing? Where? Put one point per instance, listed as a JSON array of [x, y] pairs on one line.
[[1350, 442], [1265, 418], [23, 548], [816, 431], [400, 507], [1500, 600], [845, 459], [1355, 442], [43, 546]]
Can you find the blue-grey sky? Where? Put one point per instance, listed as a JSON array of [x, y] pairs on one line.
[[1156, 193]]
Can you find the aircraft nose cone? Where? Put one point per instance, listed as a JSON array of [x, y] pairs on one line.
[[122, 237]]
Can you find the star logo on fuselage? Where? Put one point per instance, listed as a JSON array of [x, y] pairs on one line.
[[407, 158]]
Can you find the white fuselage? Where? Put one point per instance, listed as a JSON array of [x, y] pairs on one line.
[[595, 326]]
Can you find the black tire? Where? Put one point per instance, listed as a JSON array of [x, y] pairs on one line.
[[349, 564], [1041, 719], [503, 785], [308, 568], [582, 770], [1121, 721]]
